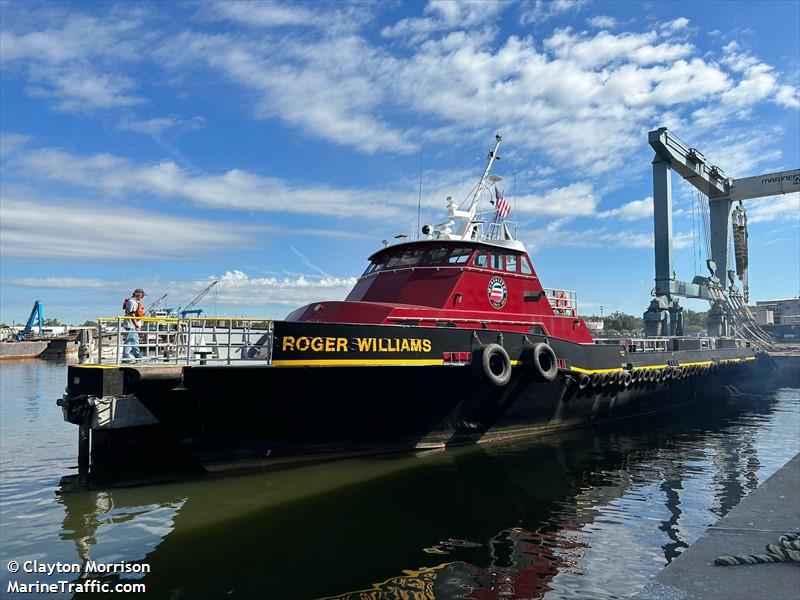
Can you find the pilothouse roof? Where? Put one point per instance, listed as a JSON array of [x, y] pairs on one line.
[[513, 245]]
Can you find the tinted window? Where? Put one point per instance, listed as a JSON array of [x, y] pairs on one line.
[[526, 266], [376, 265], [511, 262], [405, 258], [481, 259], [459, 256], [497, 262], [434, 256]]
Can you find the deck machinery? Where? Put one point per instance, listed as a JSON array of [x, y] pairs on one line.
[[729, 314]]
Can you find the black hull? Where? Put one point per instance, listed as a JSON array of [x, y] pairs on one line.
[[382, 400], [270, 413]]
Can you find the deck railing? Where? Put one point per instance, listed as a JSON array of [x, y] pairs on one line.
[[564, 302], [169, 340]]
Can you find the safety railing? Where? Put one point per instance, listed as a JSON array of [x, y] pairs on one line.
[[564, 302], [169, 340]]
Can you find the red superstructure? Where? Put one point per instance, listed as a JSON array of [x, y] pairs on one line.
[[487, 284], [458, 277]]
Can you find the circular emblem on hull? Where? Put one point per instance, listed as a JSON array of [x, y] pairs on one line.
[[498, 293]]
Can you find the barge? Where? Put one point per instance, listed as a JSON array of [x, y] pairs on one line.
[[446, 340]]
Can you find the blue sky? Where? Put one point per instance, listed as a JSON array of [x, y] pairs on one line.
[[274, 145]]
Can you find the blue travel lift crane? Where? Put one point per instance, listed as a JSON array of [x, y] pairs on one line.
[[36, 315], [728, 305]]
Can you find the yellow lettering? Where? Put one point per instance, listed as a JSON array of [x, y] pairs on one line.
[[380, 345], [317, 344], [302, 344], [341, 344], [416, 345], [288, 343], [405, 347], [330, 344], [426, 345], [363, 344]]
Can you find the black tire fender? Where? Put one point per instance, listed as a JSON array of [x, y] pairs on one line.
[[493, 364], [542, 362], [627, 379]]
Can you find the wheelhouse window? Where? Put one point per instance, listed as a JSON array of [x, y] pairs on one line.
[[459, 256], [481, 259], [497, 262], [376, 265], [511, 262], [434, 256], [525, 266], [406, 258]]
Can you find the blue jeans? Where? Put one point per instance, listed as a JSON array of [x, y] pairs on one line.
[[131, 345]]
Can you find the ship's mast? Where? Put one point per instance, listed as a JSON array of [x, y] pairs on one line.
[[482, 185], [468, 228]]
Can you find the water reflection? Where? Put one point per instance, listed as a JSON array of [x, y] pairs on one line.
[[592, 513]]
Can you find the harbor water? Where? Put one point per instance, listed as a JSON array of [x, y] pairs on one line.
[[591, 513]]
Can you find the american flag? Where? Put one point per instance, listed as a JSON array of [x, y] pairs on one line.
[[502, 206]]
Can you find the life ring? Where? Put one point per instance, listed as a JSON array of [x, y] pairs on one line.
[[542, 362], [494, 364], [561, 303]]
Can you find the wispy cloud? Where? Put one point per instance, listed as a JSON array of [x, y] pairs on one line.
[[10, 142], [539, 11], [34, 228], [774, 208], [632, 211], [235, 189], [602, 22], [157, 126]]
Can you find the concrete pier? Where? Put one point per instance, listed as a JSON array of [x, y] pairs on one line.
[[771, 510]]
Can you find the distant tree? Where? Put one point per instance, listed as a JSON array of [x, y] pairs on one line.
[[623, 323], [51, 323], [694, 321], [89, 324]]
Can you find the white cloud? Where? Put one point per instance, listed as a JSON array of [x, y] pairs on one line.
[[573, 200], [36, 228], [606, 47], [444, 15], [76, 60], [267, 14], [236, 287], [539, 11], [234, 189], [788, 96], [10, 142], [65, 283], [774, 208], [583, 97], [745, 152], [602, 22], [327, 88], [78, 89], [632, 211], [675, 25], [156, 126]]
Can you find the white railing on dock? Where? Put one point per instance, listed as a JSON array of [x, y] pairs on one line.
[[168, 340]]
